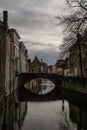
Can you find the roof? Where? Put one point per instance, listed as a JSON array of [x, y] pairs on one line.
[[36, 60], [15, 31]]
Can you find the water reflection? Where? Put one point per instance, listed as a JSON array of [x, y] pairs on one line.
[[50, 115], [40, 86], [78, 116], [12, 113]]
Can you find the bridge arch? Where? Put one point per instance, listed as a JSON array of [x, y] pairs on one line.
[[25, 77]]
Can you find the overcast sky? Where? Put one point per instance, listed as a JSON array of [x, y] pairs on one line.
[[37, 26]]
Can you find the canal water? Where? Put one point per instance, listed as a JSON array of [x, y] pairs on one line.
[[59, 114]]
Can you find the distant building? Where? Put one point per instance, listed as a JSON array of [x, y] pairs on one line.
[[54, 69], [50, 69], [44, 67], [60, 66], [36, 65]]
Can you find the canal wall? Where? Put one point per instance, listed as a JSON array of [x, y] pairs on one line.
[[75, 91], [76, 84]]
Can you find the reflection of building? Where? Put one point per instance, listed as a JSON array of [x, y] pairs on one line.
[[12, 116], [78, 116], [1, 113], [34, 86]]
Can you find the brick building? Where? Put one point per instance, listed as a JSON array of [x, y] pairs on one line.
[[74, 62]]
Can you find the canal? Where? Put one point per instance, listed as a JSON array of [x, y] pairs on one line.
[[59, 114]]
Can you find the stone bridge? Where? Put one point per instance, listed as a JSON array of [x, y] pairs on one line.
[[23, 78]]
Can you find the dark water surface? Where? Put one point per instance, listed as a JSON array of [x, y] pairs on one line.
[[59, 114]]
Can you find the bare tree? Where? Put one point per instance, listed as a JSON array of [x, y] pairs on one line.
[[75, 27], [77, 3]]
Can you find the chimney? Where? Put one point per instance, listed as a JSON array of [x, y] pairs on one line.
[[5, 17]]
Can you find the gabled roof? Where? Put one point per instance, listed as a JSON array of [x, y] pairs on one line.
[[36, 60]]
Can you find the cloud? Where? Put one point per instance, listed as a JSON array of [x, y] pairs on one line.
[[35, 21], [48, 57], [43, 47], [48, 52]]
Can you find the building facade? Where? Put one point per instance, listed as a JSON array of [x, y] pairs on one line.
[[12, 57], [50, 69], [5, 52], [74, 60], [44, 67], [23, 58], [15, 56], [60, 67]]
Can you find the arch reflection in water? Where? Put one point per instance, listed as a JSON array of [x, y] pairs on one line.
[[40, 86], [53, 115]]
